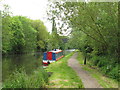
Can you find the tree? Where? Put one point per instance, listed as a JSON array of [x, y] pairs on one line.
[[30, 34], [95, 20], [17, 41], [95, 31], [42, 34]]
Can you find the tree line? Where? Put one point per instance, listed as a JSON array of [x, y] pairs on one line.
[[23, 35]]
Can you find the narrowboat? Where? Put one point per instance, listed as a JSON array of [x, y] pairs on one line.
[[52, 56]]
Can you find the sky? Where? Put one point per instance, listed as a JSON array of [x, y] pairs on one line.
[[33, 9]]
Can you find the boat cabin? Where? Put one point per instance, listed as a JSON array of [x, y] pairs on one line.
[[52, 56]]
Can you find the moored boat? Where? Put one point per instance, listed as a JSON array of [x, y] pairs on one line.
[[52, 56]]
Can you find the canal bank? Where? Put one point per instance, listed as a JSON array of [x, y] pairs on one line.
[[24, 71], [12, 63], [63, 76]]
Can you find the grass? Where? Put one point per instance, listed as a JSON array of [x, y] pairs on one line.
[[19, 79], [63, 76], [104, 81]]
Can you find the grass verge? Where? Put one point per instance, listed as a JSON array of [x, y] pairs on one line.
[[19, 79], [104, 81], [62, 75]]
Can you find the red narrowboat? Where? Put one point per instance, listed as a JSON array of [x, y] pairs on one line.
[[52, 56]]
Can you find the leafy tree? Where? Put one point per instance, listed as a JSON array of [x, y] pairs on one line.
[[54, 41], [21, 34], [30, 34], [17, 41], [94, 29], [42, 34], [93, 19], [6, 34]]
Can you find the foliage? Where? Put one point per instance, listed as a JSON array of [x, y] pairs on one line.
[[55, 40], [103, 80], [42, 34], [6, 35], [21, 34], [29, 34], [94, 30], [107, 65], [20, 79], [95, 20], [17, 41]]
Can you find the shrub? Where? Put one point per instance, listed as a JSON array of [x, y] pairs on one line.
[[107, 65], [115, 73], [95, 60], [102, 61]]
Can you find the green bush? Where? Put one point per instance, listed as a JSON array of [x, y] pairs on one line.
[[102, 61], [95, 60], [19, 79], [104, 69], [107, 65], [115, 73]]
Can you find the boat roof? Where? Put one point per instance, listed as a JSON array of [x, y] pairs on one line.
[[57, 50]]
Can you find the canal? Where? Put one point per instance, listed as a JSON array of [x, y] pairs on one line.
[[28, 62]]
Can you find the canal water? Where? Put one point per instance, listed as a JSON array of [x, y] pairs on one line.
[[29, 62]]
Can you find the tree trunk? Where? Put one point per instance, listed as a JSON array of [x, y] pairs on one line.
[[85, 60]]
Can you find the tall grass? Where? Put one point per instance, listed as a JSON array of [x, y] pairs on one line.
[[107, 65], [19, 79], [100, 70]]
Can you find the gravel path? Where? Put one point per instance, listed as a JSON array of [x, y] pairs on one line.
[[87, 80]]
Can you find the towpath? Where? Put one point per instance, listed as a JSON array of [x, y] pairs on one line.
[[87, 80]]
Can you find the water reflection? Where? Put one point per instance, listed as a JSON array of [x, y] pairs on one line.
[[29, 62]]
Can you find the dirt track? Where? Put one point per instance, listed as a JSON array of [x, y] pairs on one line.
[[87, 80]]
